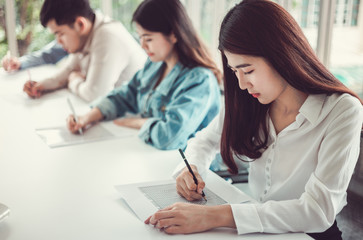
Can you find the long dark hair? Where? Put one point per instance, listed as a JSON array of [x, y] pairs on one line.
[[169, 16], [264, 29]]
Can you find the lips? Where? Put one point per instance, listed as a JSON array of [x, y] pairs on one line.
[[150, 54], [255, 95]]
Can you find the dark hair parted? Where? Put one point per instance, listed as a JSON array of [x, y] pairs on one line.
[[262, 28], [169, 16], [65, 11]]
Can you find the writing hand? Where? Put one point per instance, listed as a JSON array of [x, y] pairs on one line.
[[10, 63], [186, 187], [33, 89], [74, 126]]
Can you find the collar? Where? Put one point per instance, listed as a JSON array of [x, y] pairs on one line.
[[167, 83], [100, 19], [312, 107]]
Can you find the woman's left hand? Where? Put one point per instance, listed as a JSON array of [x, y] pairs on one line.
[[184, 218], [130, 122]]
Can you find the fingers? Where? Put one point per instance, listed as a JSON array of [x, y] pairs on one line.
[[72, 125], [188, 194], [179, 218], [32, 88], [186, 186], [147, 221], [201, 183], [10, 63]]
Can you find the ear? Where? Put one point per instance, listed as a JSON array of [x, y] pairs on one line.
[[173, 38], [80, 24]]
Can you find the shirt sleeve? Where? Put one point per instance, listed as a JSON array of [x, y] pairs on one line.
[[316, 209], [105, 67], [197, 96], [201, 149], [50, 54], [60, 79], [120, 100]]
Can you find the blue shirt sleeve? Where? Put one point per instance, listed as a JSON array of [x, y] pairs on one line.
[[120, 100], [193, 105], [50, 54]]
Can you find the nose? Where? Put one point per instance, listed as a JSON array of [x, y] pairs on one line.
[[143, 44], [58, 39], [243, 82]]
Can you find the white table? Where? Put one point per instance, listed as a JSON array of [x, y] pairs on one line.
[[68, 193]]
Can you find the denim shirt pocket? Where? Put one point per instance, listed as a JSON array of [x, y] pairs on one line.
[[157, 105]]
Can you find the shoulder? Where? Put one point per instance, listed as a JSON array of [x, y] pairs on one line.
[[109, 30], [200, 72], [342, 102], [198, 75], [114, 29], [343, 106]]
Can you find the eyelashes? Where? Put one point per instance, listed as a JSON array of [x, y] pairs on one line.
[[245, 73]]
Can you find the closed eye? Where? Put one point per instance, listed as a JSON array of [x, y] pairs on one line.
[[246, 73]]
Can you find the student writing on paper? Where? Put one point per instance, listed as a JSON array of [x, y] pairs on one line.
[[52, 53], [285, 113], [176, 93], [102, 52]]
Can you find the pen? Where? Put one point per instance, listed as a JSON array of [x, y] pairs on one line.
[[8, 56], [29, 75], [74, 114], [191, 171]]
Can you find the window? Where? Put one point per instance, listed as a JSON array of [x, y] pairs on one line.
[[346, 61]]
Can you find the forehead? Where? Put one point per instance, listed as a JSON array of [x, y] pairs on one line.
[[143, 32], [239, 58], [54, 27]]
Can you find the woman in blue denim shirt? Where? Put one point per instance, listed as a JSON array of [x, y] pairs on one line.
[[176, 93]]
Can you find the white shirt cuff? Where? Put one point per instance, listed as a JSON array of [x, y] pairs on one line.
[[246, 218]]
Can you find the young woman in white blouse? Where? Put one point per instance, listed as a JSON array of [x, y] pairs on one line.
[[285, 113]]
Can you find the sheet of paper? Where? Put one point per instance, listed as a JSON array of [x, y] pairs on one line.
[[165, 195], [146, 198], [60, 136]]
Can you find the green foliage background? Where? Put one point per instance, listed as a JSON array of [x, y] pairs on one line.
[[32, 36]]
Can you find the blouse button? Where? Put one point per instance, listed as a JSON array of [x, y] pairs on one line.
[[260, 199], [269, 160], [267, 169], [265, 191], [273, 146]]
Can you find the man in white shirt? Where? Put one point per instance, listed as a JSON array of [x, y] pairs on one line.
[[102, 53]]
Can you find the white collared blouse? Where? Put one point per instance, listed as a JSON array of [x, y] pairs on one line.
[[300, 181]]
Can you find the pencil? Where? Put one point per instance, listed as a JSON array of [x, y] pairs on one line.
[[191, 171], [74, 114], [8, 56]]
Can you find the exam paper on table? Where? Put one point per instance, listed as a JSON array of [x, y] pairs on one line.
[[146, 198], [60, 136]]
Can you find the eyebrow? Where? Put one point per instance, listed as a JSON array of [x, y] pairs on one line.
[[240, 65], [145, 35]]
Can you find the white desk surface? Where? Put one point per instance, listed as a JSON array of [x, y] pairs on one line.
[[68, 193]]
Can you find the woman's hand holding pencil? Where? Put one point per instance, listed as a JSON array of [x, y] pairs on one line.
[[186, 186]]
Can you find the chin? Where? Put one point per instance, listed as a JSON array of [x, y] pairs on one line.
[[263, 101], [154, 59]]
